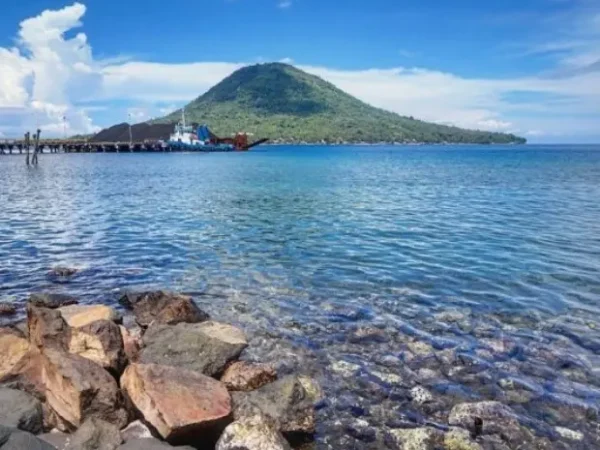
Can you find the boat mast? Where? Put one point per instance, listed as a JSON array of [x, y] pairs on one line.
[[183, 116]]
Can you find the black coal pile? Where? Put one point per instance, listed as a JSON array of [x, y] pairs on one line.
[[139, 132]]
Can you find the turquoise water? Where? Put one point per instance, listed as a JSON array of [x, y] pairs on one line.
[[452, 247]]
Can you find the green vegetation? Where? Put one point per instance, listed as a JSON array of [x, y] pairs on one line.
[[281, 102]]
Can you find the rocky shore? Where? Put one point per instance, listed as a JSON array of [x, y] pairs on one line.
[[164, 375]]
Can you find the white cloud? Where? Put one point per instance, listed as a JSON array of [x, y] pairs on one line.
[[46, 72], [284, 4]]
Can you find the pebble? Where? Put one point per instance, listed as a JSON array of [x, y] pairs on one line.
[[420, 395], [345, 368], [571, 435]]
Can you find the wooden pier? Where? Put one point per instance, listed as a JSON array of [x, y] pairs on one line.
[[8, 147]]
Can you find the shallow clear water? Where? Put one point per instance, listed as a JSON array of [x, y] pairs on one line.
[[490, 253]]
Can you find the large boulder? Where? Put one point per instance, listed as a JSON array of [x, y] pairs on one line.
[[13, 349], [80, 315], [252, 433], [20, 410], [163, 307], [50, 300], [13, 439], [246, 376], [77, 389], [101, 342], [285, 402], [47, 328], [181, 404], [205, 347], [95, 434]]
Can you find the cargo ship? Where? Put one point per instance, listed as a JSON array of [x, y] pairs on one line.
[[200, 138]]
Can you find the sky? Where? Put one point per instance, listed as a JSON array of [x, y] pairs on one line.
[[530, 67]]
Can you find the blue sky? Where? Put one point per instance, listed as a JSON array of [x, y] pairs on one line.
[[531, 67]]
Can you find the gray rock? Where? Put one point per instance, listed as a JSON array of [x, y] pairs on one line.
[[417, 438], [20, 410], [204, 347], [13, 439], [150, 444], [51, 301], [163, 307], [57, 439], [484, 418], [136, 430], [420, 395], [285, 402], [252, 433], [95, 434]]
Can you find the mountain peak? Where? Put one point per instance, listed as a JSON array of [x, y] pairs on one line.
[[280, 101]]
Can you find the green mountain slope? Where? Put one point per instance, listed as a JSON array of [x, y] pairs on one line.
[[281, 102]]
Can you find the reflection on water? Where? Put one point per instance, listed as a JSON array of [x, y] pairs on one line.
[[471, 271]]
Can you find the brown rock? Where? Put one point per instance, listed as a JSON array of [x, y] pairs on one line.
[[246, 376], [80, 315], [163, 307], [181, 404], [132, 343], [13, 349], [77, 388], [47, 328], [100, 342]]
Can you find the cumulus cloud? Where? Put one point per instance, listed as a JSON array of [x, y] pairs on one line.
[[45, 73]]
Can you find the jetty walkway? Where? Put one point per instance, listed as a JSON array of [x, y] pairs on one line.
[[10, 147]]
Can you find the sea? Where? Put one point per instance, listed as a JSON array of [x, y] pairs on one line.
[[472, 272]]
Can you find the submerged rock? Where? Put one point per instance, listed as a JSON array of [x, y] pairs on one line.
[[181, 404], [204, 347], [13, 439], [569, 434], [252, 433], [100, 342], [95, 434], [417, 438], [163, 307], [63, 271], [420, 395], [7, 309], [80, 315], [486, 418], [245, 376], [285, 402], [20, 410], [77, 389], [56, 438], [51, 301]]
